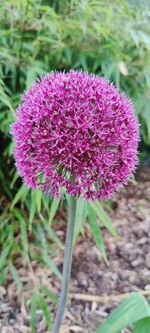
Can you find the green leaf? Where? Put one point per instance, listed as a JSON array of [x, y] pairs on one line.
[[53, 209], [32, 73], [5, 99], [109, 69], [104, 217], [68, 54], [142, 326], [46, 312], [18, 214], [147, 76], [81, 212], [32, 206], [38, 199], [134, 37], [83, 62], [50, 263], [50, 294], [21, 194], [134, 308], [31, 76], [41, 235], [3, 275], [15, 276], [34, 306], [145, 38], [15, 177], [96, 232], [46, 203], [52, 234], [4, 255], [24, 236]]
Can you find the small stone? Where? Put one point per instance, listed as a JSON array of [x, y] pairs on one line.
[[137, 262], [11, 321]]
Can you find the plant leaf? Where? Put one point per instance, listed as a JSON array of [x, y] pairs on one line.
[[46, 311], [3, 256], [142, 326], [53, 209], [52, 234], [81, 212], [50, 294], [50, 263], [34, 306], [104, 217], [21, 194], [96, 232], [38, 199], [32, 206], [134, 308], [24, 236], [15, 276]]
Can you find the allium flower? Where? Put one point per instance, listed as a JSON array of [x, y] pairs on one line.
[[75, 130]]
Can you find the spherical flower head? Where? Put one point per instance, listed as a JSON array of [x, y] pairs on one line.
[[75, 130]]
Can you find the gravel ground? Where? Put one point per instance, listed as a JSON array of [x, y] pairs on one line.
[[128, 270]]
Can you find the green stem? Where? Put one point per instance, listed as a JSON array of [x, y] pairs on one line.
[[67, 264]]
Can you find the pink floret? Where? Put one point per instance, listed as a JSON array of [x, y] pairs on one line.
[[75, 130]]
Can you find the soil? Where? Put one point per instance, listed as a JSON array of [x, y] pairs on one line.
[[128, 269]]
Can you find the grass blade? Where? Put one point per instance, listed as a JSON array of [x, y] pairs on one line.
[[100, 212], [96, 232], [15, 276], [20, 195], [3, 256], [38, 200], [32, 207], [34, 306], [81, 212], [52, 234], [50, 263], [50, 294], [46, 312], [24, 236], [53, 209]]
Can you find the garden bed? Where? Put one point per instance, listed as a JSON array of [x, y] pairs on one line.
[[92, 280]]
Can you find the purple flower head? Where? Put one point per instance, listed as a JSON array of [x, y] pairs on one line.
[[75, 130]]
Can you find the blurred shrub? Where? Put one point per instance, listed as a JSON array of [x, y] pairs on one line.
[[109, 39]]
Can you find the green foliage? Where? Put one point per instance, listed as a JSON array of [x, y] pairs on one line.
[[15, 234], [134, 310], [39, 300]]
